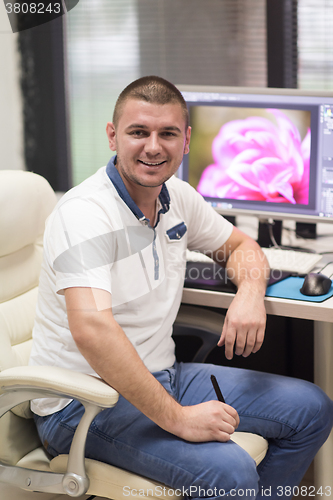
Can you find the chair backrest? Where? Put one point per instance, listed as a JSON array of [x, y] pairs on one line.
[[26, 200]]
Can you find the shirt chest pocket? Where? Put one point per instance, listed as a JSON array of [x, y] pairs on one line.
[[176, 250], [176, 232]]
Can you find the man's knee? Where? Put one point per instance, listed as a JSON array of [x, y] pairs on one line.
[[322, 408], [313, 413]]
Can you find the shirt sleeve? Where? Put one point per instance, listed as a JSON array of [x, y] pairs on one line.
[[207, 230], [81, 246]]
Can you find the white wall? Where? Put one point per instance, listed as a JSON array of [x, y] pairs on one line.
[[11, 125]]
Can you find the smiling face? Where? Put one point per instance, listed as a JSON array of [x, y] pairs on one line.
[[150, 140]]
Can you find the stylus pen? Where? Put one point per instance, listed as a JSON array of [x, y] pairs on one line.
[[217, 389]]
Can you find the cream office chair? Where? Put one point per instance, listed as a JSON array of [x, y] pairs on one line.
[[26, 199]]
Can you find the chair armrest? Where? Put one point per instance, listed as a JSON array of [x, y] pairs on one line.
[[24, 383], [61, 382]]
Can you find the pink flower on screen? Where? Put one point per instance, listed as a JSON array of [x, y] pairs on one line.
[[257, 160]]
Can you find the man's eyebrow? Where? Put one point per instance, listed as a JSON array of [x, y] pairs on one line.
[[137, 125], [172, 128], [169, 128]]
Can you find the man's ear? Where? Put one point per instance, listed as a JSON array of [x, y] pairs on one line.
[[111, 133], [187, 141]]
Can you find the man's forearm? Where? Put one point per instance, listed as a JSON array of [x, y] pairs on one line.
[[244, 325], [109, 352], [247, 265]]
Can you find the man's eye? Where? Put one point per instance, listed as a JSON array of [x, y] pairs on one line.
[[169, 134], [137, 133]]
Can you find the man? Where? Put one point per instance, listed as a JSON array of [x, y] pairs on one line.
[[110, 289]]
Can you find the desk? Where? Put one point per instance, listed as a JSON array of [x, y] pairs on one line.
[[322, 314]]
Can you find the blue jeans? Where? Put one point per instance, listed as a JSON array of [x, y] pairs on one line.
[[293, 415]]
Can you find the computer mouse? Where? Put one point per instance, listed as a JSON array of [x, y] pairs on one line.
[[316, 284]]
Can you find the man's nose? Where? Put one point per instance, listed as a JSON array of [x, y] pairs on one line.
[[153, 144]]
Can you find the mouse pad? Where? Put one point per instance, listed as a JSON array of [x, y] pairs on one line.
[[289, 289]]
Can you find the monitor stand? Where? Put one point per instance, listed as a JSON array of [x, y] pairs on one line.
[[303, 230], [264, 237], [306, 230]]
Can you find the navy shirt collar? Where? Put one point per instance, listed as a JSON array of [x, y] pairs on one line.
[[118, 183]]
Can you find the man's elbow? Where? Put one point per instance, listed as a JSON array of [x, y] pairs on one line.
[[87, 328]]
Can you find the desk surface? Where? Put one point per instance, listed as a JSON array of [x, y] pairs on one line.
[[322, 311]]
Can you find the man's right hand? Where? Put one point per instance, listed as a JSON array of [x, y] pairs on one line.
[[209, 421]]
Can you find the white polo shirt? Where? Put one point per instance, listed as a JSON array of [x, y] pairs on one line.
[[97, 237]]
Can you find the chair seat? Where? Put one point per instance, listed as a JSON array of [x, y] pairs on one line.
[[38, 459], [255, 445], [106, 480]]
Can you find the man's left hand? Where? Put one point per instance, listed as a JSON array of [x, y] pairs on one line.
[[244, 325]]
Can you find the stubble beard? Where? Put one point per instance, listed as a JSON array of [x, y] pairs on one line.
[[132, 178]]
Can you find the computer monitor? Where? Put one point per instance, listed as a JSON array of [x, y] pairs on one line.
[[264, 152]]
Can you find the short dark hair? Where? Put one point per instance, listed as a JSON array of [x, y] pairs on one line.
[[152, 89]]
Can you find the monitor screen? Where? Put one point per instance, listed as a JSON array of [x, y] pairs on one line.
[[267, 152]]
